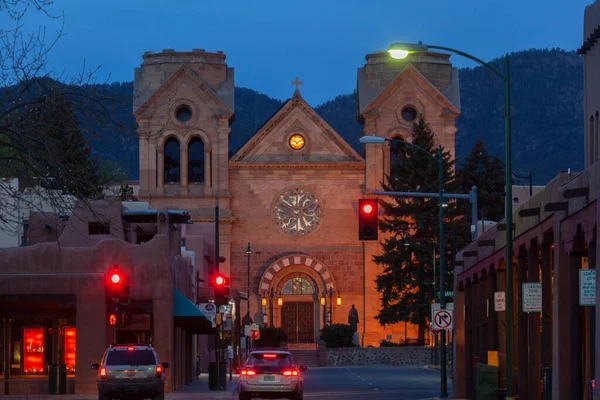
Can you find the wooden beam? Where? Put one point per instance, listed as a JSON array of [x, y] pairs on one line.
[[579, 192], [557, 206], [529, 212]]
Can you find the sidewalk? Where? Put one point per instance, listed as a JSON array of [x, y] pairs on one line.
[[197, 388]]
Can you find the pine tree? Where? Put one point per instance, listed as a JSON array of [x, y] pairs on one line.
[[490, 182], [57, 157], [411, 226]]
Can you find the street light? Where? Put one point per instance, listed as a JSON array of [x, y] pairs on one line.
[[248, 251], [481, 170], [402, 50], [330, 293], [269, 294], [376, 139]]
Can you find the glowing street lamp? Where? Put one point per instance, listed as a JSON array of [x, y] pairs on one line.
[[401, 51]]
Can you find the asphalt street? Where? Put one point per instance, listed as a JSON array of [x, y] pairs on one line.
[[351, 383]]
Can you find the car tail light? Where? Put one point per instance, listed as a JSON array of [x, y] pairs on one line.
[[270, 356], [291, 372], [159, 370], [248, 372], [103, 372], [130, 348]]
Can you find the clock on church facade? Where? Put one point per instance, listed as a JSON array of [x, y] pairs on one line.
[[297, 212], [297, 142]]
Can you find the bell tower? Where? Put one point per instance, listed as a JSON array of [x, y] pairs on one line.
[[183, 104]]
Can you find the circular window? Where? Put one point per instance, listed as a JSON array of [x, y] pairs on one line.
[[409, 114], [297, 142], [183, 113]]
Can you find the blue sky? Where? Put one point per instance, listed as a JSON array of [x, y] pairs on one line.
[[270, 42]]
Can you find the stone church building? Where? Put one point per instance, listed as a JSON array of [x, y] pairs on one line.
[[292, 190]]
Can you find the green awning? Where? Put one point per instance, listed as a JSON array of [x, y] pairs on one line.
[[188, 316]]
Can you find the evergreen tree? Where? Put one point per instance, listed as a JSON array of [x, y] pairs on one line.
[[489, 180], [57, 157], [411, 230]]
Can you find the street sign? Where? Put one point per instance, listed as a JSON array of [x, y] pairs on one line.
[[587, 287], [210, 310], [442, 319], [433, 330], [499, 301], [448, 293], [532, 297], [255, 333]]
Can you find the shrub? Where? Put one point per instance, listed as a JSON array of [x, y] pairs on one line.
[[385, 343], [271, 337], [337, 335]]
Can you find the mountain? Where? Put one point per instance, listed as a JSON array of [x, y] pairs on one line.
[[547, 115]]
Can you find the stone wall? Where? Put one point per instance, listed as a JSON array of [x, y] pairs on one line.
[[376, 355]]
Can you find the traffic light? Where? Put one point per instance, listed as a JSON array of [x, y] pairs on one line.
[[220, 285], [119, 319], [117, 285], [367, 219]]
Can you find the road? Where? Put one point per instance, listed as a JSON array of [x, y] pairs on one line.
[[348, 383]]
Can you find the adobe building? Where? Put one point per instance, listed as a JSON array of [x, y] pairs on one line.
[[291, 192], [554, 242], [53, 303]]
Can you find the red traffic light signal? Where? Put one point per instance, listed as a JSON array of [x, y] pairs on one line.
[[220, 285], [367, 219], [117, 285], [115, 278], [220, 280]]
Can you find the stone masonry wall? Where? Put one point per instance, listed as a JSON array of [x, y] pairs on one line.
[[377, 355]]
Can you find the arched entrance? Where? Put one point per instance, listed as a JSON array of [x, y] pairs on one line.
[[297, 280], [298, 292]]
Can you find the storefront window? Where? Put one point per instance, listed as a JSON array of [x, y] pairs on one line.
[[70, 335], [33, 350]]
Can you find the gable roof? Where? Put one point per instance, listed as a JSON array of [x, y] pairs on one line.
[[185, 71], [290, 105], [409, 72]]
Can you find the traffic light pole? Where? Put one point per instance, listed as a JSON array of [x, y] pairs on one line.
[[217, 334], [472, 196]]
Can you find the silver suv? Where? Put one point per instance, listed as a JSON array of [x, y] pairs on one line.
[[130, 371], [271, 374]]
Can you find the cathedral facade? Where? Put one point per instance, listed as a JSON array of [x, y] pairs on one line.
[[291, 192]]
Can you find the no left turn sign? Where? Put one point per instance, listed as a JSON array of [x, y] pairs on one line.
[[442, 319]]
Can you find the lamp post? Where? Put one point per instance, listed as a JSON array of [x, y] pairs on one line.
[[402, 50], [376, 139], [270, 294], [330, 293], [248, 252], [481, 170]]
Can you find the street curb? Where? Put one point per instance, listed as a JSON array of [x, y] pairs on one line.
[[437, 367]]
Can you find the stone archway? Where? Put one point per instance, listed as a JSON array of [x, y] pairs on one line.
[[314, 267], [298, 310]]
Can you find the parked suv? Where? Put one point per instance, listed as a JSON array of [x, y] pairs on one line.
[[130, 371], [271, 374]]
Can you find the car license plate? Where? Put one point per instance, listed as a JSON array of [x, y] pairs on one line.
[[131, 374], [269, 378]]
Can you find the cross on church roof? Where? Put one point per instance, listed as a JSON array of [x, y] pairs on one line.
[[297, 83]]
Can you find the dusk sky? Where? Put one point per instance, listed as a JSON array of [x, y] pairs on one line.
[[322, 42]]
